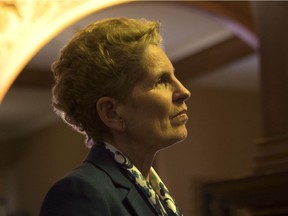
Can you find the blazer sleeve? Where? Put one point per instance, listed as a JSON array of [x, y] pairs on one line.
[[75, 197]]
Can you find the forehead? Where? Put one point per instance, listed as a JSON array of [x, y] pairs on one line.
[[156, 60]]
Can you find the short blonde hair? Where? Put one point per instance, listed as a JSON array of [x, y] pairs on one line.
[[103, 59]]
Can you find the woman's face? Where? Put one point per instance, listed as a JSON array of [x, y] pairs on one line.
[[156, 113]]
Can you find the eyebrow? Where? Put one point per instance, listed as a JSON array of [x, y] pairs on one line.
[[168, 71], [164, 73]]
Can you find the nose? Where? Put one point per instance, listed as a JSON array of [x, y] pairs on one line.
[[180, 94]]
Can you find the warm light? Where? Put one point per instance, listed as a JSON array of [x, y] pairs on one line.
[[26, 26]]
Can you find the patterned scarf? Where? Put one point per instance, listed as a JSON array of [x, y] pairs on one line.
[[154, 189]]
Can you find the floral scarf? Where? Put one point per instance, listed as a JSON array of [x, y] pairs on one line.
[[154, 189]]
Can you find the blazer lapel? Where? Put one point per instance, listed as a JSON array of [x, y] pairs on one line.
[[138, 203]]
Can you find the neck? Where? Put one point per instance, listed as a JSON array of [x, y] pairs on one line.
[[141, 155], [142, 160]]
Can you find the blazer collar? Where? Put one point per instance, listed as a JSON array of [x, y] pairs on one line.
[[99, 157]]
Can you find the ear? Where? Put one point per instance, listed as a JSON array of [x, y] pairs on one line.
[[107, 111]]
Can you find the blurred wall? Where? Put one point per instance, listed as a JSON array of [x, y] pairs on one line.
[[48, 155], [223, 126]]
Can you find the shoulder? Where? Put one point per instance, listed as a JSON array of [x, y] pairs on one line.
[[84, 180], [86, 174], [85, 189]]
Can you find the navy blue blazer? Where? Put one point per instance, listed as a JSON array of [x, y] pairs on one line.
[[97, 187]]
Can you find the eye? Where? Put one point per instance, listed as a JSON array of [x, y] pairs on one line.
[[162, 81]]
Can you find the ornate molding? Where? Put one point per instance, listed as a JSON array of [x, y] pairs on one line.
[[27, 25], [21, 21]]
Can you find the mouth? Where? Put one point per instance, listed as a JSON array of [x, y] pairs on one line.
[[180, 113]]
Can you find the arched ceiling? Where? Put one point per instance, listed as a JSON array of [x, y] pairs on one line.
[[198, 44]]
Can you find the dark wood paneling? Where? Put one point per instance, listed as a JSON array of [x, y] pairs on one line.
[[238, 11], [205, 61]]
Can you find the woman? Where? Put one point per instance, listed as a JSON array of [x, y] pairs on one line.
[[115, 84]]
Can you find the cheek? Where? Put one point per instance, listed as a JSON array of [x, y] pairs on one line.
[[157, 106]]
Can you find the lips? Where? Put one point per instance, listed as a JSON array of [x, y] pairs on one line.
[[182, 112]]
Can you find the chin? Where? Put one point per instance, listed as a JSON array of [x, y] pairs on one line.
[[179, 137], [182, 136], [171, 137]]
